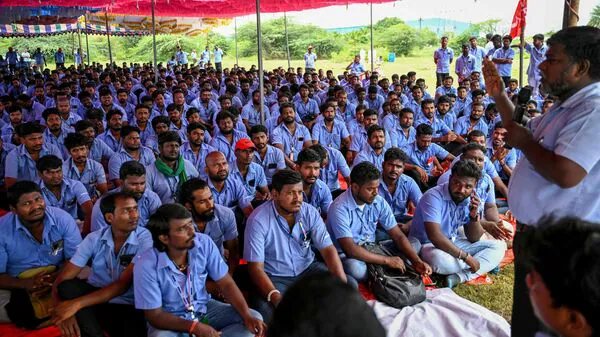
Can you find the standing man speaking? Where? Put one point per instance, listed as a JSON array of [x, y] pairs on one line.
[[559, 173]]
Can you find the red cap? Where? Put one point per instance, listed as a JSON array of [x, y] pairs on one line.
[[244, 144]]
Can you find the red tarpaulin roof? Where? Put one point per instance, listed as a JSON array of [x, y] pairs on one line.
[[191, 8]]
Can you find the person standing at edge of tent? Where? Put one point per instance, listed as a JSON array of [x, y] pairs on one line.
[[558, 171]]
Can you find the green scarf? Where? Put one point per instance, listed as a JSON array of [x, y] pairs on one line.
[[166, 170]]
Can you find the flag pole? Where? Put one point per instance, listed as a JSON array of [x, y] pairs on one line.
[[521, 56]]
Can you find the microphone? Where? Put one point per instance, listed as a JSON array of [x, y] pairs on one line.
[[521, 104]]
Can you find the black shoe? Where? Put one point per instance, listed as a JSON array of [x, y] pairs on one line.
[[452, 281]]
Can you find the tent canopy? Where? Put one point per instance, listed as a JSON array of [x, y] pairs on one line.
[[189, 8]]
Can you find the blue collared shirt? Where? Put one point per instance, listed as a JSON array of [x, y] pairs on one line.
[[99, 150], [357, 68], [444, 57], [375, 104], [537, 57], [222, 228], [292, 144], [284, 252], [309, 60], [252, 115], [147, 205], [336, 163], [273, 161], [406, 190], [221, 143], [478, 53], [334, 138], [167, 187], [106, 267], [449, 119], [197, 160], [157, 283], [59, 141], [320, 196], [232, 195], [72, 193], [121, 156], [207, 111], [110, 140], [424, 158], [360, 141], [463, 126], [465, 65], [255, 177], [368, 154], [484, 189], [346, 219], [504, 69], [92, 174], [510, 160], [439, 127], [437, 206], [20, 251], [21, 166], [310, 108]]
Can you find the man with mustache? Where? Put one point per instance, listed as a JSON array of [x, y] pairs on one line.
[[98, 150], [250, 174], [375, 150], [112, 136], [280, 237], [329, 131], [32, 235], [353, 219], [170, 283], [559, 169], [133, 176], [267, 156], [438, 217], [79, 167], [56, 130], [290, 136], [226, 190], [315, 191], [131, 149], [473, 121], [105, 300], [226, 137]]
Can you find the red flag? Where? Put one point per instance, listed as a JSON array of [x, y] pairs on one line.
[[518, 22]]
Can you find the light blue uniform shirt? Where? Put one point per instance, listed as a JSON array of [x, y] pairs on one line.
[[569, 129], [485, 189], [478, 53], [21, 166], [222, 145], [157, 283], [336, 163], [424, 158], [110, 140], [406, 190], [368, 154], [309, 60], [488, 167], [437, 206], [304, 110], [72, 193], [504, 69], [465, 65], [59, 57], [20, 251], [106, 267], [147, 205], [292, 144], [121, 156], [439, 127], [222, 228], [92, 174], [360, 141], [510, 160], [402, 140], [444, 57], [348, 113], [463, 126], [334, 138], [232, 195], [199, 160], [250, 113], [449, 119], [284, 252], [416, 108], [345, 219], [59, 141], [206, 111], [320, 196], [255, 177], [537, 57], [271, 163], [99, 150], [357, 68], [167, 187], [218, 53]]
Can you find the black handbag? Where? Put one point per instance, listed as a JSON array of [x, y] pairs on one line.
[[391, 286]]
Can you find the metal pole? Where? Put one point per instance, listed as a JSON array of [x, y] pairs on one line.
[[87, 43], [237, 61], [108, 37], [154, 44], [573, 13], [372, 61], [287, 42], [261, 78]]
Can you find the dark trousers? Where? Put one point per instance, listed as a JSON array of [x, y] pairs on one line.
[[439, 78], [118, 320], [219, 66], [432, 182], [524, 322]]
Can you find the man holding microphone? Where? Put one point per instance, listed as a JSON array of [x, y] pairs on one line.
[[559, 172]]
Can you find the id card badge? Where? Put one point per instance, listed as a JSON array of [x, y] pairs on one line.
[[56, 247]]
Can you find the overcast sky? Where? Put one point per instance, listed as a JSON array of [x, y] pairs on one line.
[[543, 15]]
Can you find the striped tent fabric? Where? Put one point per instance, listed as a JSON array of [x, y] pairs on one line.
[[17, 30]]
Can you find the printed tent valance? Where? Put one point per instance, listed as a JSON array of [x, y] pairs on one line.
[[17, 30]]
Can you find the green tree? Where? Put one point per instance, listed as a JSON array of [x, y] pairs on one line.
[[595, 17]]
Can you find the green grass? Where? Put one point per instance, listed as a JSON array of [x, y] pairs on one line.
[[497, 297]]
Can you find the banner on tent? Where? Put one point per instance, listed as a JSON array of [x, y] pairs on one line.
[[17, 30]]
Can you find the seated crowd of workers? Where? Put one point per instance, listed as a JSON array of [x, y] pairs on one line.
[[161, 187]]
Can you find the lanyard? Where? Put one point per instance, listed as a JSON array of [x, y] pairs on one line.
[[186, 297], [306, 241]]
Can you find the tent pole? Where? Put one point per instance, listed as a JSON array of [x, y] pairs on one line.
[[287, 42], [371, 28], [108, 37], [87, 43], [237, 61], [261, 78], [154, 44]]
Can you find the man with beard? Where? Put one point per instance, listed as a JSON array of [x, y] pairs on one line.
[[250, 174], [443, 113], [397, 188], [441, 132], [558, 164], [473, 121], [133, 176], [503, 158], [179, 101], [32, 236], [360, 141], [226, 137], [439, 215], [78, 167], [32, 110], [170, 283], [56, 130], [251, 111], [20, 162], [160, 125], [103, 302], [270, 158], [290, 136], [345, 110], [244, 94], [415, 102], [226, 191], [15, 117], [141, 120], [272, 230], [123, 103], [333, 164], [107, 104], [178, 123], [131, 149], [330, 132], [112, 136], [353, 219], [306, 107], [170, 169], [314, 190], [86, 104], [374, 152], [98, 150], [195, 149], [63, 105]]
